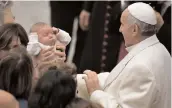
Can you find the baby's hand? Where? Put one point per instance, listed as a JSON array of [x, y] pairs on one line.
[[62, 36], [55, 30]]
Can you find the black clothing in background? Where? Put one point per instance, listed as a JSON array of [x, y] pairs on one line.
[[92, 53], [62, 16], [164, 34]]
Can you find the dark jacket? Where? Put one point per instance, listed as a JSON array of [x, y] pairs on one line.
[[92, 53]]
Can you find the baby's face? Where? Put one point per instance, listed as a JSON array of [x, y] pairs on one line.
[[46, 36]]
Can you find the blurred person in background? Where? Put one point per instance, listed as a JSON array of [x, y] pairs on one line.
[[16, 72], [81, 103], [12, 35], [102, 19], [164, 34], [63, 14], [6, 15], [55, 89]]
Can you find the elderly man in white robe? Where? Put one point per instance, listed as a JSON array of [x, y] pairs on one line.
[[142, 78]]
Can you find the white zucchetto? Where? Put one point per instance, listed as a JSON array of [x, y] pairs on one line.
[[143, 12]]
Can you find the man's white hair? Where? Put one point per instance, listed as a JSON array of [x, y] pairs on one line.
[[3, 6], [146, 29]]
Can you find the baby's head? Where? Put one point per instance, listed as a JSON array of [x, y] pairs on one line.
[[45, 33]]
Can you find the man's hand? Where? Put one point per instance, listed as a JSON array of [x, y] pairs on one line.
[[91, 81], [84, 19]]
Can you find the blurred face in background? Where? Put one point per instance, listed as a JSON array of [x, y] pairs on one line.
[[15, 42], [12, 35]]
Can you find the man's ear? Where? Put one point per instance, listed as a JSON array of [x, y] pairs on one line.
[[135, 29]]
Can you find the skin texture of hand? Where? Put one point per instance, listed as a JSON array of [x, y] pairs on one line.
[[51, 54], [92, 81], [46, 58], [84, 20]]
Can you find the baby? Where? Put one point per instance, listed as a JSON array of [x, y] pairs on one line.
[[43, 36]]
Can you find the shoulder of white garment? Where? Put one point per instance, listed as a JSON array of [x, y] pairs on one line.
[[143, 12]]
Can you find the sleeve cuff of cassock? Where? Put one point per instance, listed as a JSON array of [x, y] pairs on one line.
[[104, 99], [97, 95]]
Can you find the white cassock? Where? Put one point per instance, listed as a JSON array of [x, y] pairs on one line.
[[141, 79]]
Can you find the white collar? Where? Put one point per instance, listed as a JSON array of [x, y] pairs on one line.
[[130, 47], [142, 43]]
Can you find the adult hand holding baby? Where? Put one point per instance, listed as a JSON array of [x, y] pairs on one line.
[[46, 58], [50, 54]]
